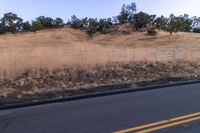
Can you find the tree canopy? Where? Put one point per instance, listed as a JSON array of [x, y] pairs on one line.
[[140, 21]]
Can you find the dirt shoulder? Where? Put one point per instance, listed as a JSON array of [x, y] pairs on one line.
[[71, 81]]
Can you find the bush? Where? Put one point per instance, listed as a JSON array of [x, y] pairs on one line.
[[26, 26], [105, 26], [35, 26], [76, 23], [92, 28], [140, 20], [196, 30], [151, 31], [45, 22], [58, 22], [2, 28]]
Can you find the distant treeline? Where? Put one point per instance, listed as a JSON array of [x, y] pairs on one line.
[[140, 21]]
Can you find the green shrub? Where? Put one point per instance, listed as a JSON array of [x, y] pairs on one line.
[[105, 26], [196, 30], [151, 31], [76, 23], [26, 26], [92, 28], [35, 26], [58, 22]]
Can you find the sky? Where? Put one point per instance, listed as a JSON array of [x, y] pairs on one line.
[[30, 9]]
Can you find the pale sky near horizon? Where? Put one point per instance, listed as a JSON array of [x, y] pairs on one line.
[[30, 9]]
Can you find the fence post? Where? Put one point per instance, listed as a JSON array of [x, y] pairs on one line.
[[109, 54], [155, 55], [174, 54], [191, 54]]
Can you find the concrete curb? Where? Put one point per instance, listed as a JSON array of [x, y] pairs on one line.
[[96, 94]]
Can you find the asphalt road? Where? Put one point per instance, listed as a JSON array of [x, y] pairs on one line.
[[114, 113]]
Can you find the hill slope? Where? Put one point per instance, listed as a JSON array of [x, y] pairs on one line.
[[60, 62], [57, 47]]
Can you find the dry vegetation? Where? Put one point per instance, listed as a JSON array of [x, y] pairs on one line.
[[33, 85], [60, 47], [65, 59]]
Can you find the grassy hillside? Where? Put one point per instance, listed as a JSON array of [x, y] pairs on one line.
[[59, 62], [58, 47]]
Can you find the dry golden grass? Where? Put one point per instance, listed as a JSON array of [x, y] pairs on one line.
[[58, 47]]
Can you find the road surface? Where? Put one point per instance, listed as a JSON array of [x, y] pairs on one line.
[[166, 110]]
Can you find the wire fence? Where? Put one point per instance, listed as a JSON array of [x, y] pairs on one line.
[[18, 60], [111, 55]]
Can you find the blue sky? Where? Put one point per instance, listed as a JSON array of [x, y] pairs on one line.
[[30, 9]]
